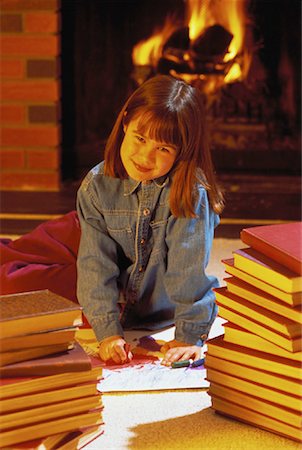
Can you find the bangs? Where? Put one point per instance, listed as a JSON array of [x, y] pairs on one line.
[[160, 128]]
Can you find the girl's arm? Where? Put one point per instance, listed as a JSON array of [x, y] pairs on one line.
[[97, 267], [189, 243]]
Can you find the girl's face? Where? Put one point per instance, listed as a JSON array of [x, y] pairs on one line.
[[143, 158]]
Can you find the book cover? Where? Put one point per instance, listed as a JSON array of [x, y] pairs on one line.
[[269, 319], [39, 339], [29, 312], [256, 389], [40, 430], [255, 359], [239, 336], [280, 242], [29, 354], [250, 373], [268, 270], [262, 299], [44, 443], [278, 412], [292, 345], [255, 418], [292, 299], [73, 360]]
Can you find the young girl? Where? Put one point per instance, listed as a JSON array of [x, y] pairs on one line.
[[147, 215]]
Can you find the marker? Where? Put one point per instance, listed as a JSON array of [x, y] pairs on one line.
[[178, 364], [198, 362]]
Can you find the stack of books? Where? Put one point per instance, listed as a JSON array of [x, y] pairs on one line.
[[48, 385], [255, 370]]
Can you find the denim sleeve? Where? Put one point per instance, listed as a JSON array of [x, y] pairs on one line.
[[97, 267], [189, 287]]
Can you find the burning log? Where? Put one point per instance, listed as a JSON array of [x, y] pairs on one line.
[[212, 44]]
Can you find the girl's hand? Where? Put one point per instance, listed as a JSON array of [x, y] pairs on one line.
[[179, 351], [115, 348]]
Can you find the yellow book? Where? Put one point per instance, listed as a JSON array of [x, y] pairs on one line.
[[36, 431], [260, 298], [32, 353], [275, 322], [255, 418], [253, 358], [264, 407], [270, 379], [292, 345], [293, 299], [47, 412], [264, 268], [239, 336], [256, 389]]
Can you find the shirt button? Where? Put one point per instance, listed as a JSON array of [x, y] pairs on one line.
[[146, 212], [143, 241], [140, 269]]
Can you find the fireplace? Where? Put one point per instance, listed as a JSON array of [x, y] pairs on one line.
[[252, 90]]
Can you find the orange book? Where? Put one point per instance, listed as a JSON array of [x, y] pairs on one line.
[[26, 354], [31, 312], [280, 242], [72, 360]]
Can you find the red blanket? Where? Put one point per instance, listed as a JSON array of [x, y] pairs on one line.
[[45, 258]]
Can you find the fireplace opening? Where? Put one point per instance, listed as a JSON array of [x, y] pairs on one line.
[[247, 65]]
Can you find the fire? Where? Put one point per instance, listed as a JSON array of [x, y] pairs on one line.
[[148, 52], [200, 15]]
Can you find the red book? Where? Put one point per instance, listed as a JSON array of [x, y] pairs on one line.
[[281, 242], [73, 360]]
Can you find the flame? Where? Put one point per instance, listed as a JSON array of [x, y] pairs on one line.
[[201, 14], [231, 15], [148, 52]]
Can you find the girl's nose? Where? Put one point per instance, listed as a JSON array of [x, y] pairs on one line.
[[148, 154]]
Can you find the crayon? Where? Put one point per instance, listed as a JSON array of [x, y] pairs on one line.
[[185, 363], [198, 362]]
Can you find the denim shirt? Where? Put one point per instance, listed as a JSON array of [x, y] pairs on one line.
[[134, 251]]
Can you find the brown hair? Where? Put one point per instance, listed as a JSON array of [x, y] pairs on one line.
[[171, 111]]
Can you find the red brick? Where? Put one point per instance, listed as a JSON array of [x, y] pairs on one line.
[[41, 22], [29, 90], [30, 137], [11, 68], [12, 113], [26, 5], [42, 159], [30, 181], [42, 68], [43, 114], [29, 45], [11, 23], [12, 159]]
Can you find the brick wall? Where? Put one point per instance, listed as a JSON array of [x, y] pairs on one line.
[[30, 132]]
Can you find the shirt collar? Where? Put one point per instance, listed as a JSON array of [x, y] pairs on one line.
[[131, 185]]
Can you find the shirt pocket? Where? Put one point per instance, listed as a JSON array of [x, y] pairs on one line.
[[122, 231]]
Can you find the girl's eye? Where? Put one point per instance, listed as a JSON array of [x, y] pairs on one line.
[[164, 149], [140, 138]]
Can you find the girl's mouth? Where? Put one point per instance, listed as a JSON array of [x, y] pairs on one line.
[[141, 168]]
